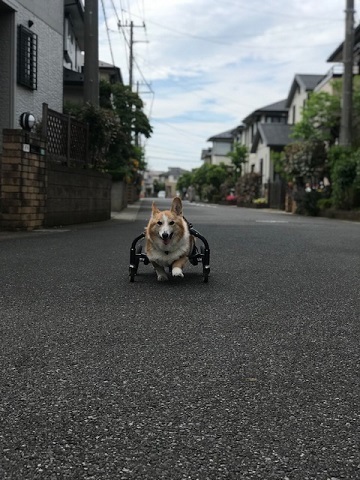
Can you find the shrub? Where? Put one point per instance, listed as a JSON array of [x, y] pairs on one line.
[[344, 174], [248, 188], [307, 202], [260, 201], [324, 203]]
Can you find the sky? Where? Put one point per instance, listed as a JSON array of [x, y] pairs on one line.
[[202, 66]]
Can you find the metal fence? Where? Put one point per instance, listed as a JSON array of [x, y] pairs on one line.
[[67, 138]]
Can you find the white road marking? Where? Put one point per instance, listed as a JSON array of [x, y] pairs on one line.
[[272, 221]]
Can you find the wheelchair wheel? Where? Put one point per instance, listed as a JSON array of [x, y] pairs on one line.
[[193, 256]]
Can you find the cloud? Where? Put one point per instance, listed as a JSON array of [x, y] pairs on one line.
[[211, 63]]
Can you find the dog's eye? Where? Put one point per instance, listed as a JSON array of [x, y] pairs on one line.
[[171, 223], [159, 223]]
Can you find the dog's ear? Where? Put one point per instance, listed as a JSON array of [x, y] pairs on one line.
[[176, 206], [155, 209]]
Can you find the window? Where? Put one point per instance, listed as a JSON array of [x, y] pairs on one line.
[[27, 58]]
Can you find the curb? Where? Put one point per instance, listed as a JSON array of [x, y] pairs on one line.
[[129, 213]]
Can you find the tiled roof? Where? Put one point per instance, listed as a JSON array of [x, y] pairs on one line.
[[308, 82], [228, 135], [337, 55], [272, 135], [277, 107]]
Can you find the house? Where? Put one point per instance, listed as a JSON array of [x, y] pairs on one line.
[[259, 152], [337, 70], [31, 60], [149, 177], [206, 155], [74, 45], [268, 130], [170, 179], [273, 113], [74, 81], [110, 73], [337, 54], [74, 34], [326, 83], [222, 144], [269, 138], [300, 88]]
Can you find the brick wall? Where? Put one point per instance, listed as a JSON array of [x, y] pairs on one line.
[[35, 192], [23, 181]]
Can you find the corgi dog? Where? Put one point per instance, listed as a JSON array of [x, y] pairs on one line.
[[168, 240]]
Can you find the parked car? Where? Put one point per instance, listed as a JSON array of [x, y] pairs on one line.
[[161, 194]]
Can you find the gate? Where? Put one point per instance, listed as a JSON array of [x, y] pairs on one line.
[[277, 193]]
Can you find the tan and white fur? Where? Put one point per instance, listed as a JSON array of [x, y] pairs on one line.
[[168, 240]]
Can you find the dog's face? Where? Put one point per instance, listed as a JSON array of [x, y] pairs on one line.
[[167, 227]]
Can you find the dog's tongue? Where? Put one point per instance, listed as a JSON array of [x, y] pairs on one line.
[[165, 242]]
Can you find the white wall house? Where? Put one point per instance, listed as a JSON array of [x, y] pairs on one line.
[[300, 88], [149, 177], [269, 138], [74, 44], [31, 58], [222, 144], [170, 178], [259, 155], [267, 131]]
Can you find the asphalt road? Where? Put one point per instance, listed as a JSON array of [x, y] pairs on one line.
[[254, 375]]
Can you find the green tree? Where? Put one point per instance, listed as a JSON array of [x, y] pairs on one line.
[[238, 156], [125, 159], [345, 174], [114, 127], [104, 131], [318, 129], [320, 119], [208, 178], [184, 181], [303, 160]]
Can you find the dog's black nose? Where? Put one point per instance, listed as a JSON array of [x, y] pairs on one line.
[[165, 236]]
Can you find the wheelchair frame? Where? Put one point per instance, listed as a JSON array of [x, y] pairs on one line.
[[198, 255]]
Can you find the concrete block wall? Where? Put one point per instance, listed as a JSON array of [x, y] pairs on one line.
[[75, 195]]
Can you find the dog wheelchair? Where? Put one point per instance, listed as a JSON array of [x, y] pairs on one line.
[[198, 255]]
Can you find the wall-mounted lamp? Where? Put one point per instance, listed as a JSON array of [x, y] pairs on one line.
[[30, 23], [27, 121]]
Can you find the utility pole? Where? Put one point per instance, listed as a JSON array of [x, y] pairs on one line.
[[131, 55], [91, 66], [131, 49], [347, 93]]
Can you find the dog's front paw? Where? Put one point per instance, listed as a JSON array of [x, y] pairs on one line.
[[162, 277], [177, 272]]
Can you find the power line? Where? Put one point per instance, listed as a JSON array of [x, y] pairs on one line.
[[179, 130], [212, 40]]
